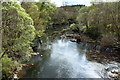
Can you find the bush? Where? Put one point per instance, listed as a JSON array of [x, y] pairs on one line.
[[93, 32], [108, 40], [7, 67]]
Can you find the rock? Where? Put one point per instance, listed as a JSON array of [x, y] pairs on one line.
[[27, 65], [24, 65], [63, 36], [111, 75], [32, 64], [15, 76], [78, 40], [106, 69], [97, 51], [34, 54], [73, 40], [16, 72], [41, 55], [116, 71]]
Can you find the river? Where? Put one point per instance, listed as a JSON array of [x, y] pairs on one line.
[[66, 59]]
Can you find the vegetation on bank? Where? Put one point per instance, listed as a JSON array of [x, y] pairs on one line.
[[21, 24], [25, 23], [18, 33], [101, 22]]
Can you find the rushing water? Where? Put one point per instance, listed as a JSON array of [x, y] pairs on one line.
[[67, 60]]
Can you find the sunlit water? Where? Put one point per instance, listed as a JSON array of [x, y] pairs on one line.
[[67, 60]]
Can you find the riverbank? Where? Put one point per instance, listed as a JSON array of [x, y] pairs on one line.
[[20, 71], [100, 53]]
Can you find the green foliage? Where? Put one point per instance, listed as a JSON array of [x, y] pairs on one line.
[[100, 19], [46, 11], [65, 15], [82, 18], [7, 66], [60, 12], [18, 33], [18, 30], [41, 15]]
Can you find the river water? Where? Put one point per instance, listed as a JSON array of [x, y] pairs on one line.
[[67, 60], [62, 58]]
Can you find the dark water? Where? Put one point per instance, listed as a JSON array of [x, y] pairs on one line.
[[67, 60]]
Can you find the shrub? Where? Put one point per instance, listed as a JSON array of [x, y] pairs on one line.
[[108, 40], [93, 32], [7, 66]]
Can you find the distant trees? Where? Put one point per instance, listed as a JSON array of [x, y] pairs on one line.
[[60, 16], [82, 17], [101, 18], [65, 15]]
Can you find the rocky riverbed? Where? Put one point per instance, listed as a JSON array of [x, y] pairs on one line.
[[99, 53], [104, 55]]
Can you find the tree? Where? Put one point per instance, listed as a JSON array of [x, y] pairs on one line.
[[7, 67], [41, 15], [102, 17], [18, 30], [83, 16]]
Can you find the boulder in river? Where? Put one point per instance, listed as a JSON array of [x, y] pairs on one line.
[[15, 77], [34, 54], [111, 75], [116, 71], [113, 70], [73, 40]]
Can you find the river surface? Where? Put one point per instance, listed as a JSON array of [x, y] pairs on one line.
[[67, 60]]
